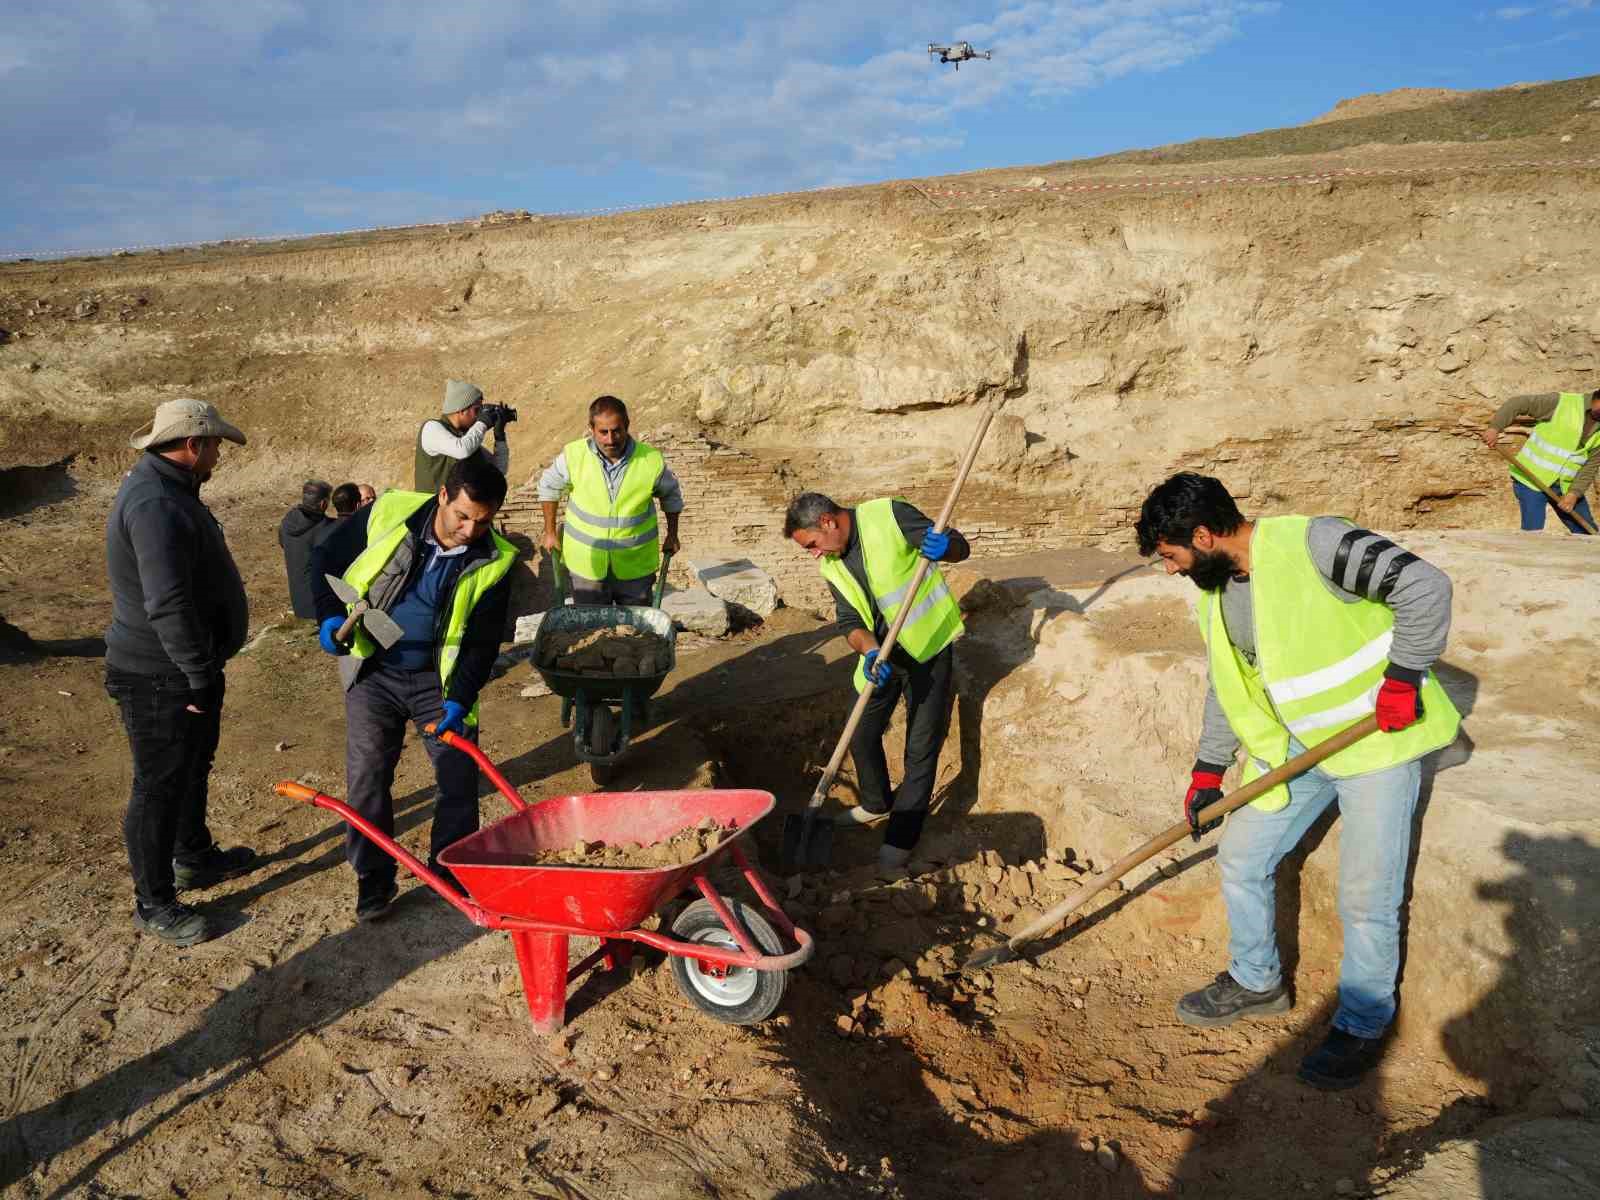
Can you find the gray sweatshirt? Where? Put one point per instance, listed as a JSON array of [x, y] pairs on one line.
[[1355, 565], [177, 602]]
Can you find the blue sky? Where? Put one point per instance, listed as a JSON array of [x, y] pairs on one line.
[[126, 122]]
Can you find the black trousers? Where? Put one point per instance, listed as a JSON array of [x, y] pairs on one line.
[[927, 689], [172, 754], [611, 590], [376, 710]]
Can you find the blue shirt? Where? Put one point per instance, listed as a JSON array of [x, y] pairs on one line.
[[417, 612]]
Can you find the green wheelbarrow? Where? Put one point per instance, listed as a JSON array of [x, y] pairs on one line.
[[604, 711]]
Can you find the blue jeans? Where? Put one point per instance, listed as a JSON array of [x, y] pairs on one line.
[[1534, 503], [1374, 846]]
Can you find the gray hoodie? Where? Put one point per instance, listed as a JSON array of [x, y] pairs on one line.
[[177, 602]]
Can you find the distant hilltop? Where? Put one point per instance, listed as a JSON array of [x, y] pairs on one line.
[[1375, 104]]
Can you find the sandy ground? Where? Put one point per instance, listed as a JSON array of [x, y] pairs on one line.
[[301, 1054]]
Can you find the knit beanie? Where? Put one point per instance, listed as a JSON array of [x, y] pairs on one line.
[[458, 394]]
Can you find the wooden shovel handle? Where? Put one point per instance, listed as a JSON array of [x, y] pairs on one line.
[[1211, 812], [343, 634], [1511, 457]]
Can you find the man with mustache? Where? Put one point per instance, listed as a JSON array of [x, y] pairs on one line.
[[1310, 624]]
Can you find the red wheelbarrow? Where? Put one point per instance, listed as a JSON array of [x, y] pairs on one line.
[[728, 958]]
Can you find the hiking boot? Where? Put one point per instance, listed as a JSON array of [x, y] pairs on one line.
[[449, 876], [1224, 1000], [1342, 1061], [375, 893], [892, 858], [177, 924], [211, 867]]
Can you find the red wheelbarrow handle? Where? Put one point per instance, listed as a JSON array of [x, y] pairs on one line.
[[470, 749], [309, 795]]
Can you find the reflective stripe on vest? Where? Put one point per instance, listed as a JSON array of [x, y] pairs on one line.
[[601, 536], [1319, 664], [386, 529], [1555, 451], [935, 618]]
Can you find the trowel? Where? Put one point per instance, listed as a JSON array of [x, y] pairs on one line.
[[380, 626]]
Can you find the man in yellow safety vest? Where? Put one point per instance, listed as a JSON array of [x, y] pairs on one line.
[[610, 540], [1310, 624], [868, 555], [1562, 453], [435, 565]]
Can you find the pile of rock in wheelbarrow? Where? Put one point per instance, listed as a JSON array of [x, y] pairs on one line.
[[613, 650]]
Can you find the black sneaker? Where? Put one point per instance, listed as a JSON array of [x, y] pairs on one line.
[[449, 876], [375, 892], [1342, 1061], [1224, 1000], [176, 924], [212, 867]]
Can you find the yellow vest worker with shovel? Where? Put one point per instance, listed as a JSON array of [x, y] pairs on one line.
[[868, 555], [1561, 454], [1310, 625]]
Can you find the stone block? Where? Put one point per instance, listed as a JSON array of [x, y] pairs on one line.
[[527, 629], [697, 612], [738, 581]]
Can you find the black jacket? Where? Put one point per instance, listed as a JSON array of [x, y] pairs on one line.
[[480, 642], [177, 602], [295, 533]]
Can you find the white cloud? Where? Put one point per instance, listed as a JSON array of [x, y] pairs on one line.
[[240, 112], [1514, 14]]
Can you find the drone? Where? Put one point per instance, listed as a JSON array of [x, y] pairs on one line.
[[958, 53]]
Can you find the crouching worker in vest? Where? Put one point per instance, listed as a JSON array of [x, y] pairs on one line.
[[868, 555], [431, 562], [1310, 624], [610, 540], [1562, 453]]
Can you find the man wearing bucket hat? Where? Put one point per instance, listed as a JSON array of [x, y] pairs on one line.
[[459, 432], [178, 615]]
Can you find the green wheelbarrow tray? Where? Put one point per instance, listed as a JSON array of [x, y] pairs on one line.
[[583, 693]]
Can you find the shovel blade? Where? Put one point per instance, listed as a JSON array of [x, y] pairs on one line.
[[807, 842], [988, 957], [383, 628]]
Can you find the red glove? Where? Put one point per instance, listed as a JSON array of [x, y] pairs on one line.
[[1399, 700], [1205, 788]]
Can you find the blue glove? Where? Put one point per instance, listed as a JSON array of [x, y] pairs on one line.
[[877, 672], [454, 719], [935, 545], [325, 633]]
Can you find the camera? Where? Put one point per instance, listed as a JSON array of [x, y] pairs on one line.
[[495, 415]]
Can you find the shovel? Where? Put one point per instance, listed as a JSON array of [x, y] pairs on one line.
[[1007, 950], [380, 626], [1511, 457], [808, 842]]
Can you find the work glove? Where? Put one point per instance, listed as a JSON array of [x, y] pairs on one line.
[[935, 545], [877, 672], [454, 719], [1399, 699], [1205, 787], [325, 632]]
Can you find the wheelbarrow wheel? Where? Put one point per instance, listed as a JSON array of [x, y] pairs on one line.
[[735, 995], [602, 738]]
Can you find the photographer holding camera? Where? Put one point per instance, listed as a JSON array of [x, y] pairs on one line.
[[459, 432]]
